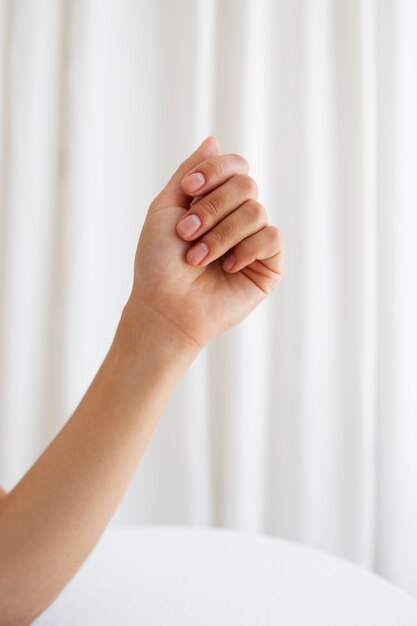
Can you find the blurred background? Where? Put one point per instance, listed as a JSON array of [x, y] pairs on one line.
[[301, 422]]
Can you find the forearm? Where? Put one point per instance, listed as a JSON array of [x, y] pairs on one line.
[[55, 515]]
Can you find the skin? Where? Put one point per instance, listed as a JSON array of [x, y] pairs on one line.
[[51, 520]]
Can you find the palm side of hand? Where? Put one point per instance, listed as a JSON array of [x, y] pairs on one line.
[[201, 302]]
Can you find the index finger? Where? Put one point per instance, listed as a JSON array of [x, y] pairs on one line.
[[213, 172]]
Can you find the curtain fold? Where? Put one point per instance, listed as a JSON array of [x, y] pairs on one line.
[[302, 421]]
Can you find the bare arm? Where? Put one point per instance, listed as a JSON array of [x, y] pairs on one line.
[[55, 515], [53, 518]]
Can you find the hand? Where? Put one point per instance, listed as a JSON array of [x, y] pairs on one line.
[[202, 297]]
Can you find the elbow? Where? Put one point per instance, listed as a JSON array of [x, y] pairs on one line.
[[16, 622], [3, 495], [16, 608], [10, 616]]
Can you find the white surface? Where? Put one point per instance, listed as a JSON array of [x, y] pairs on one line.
[[301, 422], [211, 577]]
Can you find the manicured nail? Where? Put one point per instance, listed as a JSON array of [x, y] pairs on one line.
[[189, 225], [194, 181], [229, 262], [198, 253]]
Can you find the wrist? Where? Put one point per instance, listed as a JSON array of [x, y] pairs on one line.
[[143, 331]]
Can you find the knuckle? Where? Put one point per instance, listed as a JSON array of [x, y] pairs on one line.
[[210, 206], [277, 240], [276, 235], [271, 284], [214, 169], [276, 279], [242, 160], [247, 183], [225, 196], [218, 236], [257, 211], [272, 281], [245, 249]]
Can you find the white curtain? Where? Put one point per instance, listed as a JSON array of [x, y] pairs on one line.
[[302, 421]]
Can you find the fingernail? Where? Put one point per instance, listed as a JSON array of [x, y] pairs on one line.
[[194, 181], [198, 253], [229, 262], [189, 225]]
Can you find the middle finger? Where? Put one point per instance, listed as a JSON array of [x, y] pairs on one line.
[[213, 207]]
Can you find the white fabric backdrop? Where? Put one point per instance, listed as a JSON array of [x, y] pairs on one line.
[[302, 421]]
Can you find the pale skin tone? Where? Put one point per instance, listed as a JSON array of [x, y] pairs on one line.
[[51, 520]]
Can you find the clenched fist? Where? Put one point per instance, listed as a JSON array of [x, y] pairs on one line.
[[207, 255]]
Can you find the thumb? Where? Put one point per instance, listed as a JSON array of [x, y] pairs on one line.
[[173, 194]]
